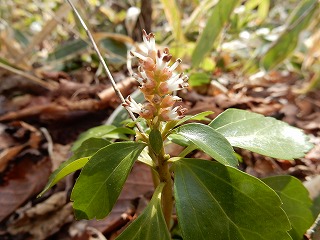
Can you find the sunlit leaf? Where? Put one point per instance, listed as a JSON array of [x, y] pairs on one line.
[[264, 135], [296, 203], [214, 201], [150, 224], [102, 178], [209, 141]]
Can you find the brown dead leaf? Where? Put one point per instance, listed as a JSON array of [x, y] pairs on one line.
[[44, 219], [8, 154], [44, 226], [311, 122], [23, 181]]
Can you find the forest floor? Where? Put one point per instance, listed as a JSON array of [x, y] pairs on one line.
[[38, 127]]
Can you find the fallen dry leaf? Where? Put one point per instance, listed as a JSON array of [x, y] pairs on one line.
[[23, 181], [44, 219]]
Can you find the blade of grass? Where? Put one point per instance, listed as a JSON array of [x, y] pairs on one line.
[[173, 16], [219, 16]]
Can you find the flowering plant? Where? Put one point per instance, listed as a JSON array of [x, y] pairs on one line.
[[212, 199]]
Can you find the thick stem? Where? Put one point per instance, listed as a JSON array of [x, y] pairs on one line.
[[167, 192], [163, 175]]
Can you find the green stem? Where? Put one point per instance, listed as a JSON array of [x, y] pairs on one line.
[[163, 175], [167, 192]]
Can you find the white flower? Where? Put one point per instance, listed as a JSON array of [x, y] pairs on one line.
[[177, 82], [132, 105], [149, 40]]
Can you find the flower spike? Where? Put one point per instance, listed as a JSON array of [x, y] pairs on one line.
[[157, 82]]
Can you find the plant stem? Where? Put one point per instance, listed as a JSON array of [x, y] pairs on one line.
[[167, 192]]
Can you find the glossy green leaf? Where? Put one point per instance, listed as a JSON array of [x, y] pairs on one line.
[[219, 202], [150, 224], [156, 141], [77, 161], [296, 203], [287, 42], [209, 141], [102, 178], [218, 18], [92, 132], [264, 135]]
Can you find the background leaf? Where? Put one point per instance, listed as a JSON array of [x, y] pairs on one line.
[[264, 135], [219, 16], [101, 180], [104, 131], [150, 224], [173, 16], [77, 161], [68, 50], [287, 42], [219, 202], [296, 203], [211, 142]]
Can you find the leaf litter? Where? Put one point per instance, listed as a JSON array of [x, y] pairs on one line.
[[82, 100]]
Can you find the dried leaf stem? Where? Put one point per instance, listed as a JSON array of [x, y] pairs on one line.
[[104, 64]]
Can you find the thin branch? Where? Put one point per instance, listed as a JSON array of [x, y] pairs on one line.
[[113, 83]]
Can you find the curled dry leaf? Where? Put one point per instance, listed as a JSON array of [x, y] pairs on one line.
[[10, 153]]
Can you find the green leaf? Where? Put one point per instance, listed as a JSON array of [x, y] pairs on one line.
[[219, 16], [150, 224], [116, 47], [102, 178], [296, 203], [198, 79], [197, 117], [218, 202], [156, 141], [76, 162], [264, 135], [68, 49], [287, 42], [209, 141], [106, 131]]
